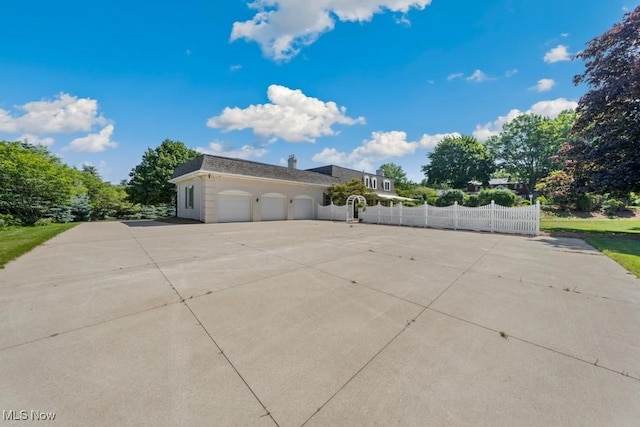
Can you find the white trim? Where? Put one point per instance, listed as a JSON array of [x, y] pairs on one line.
[[234, 193], [247, 177]]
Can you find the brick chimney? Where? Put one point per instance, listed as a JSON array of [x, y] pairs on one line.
[[293, 162]]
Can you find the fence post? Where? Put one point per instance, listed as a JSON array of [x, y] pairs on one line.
[[400, 219], [455, 215], [426, 214], [537, 217], [493, 205], [379, 212]]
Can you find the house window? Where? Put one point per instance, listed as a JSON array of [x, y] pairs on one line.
[[387, 185], [188, 197], [374, 183], [367, 182]]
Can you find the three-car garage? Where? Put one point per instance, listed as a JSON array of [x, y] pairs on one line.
[[238, 206]]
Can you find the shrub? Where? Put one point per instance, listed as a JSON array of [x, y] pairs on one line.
[[613, 206], [471, 201], [501, 197], [449, 197], [525, 202], [586, 202], [557, 188], [425, 194], [8, 220], [80, 208], [61, 214], [43, 221], [543, 200]]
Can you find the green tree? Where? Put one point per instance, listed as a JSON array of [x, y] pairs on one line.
[[338, 193], [457, 160], [395, 172], [33, 182], [149, 183], [425, 194], [605, 155], [529, 144]]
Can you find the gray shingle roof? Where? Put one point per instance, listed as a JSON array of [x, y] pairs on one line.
[[207, 162]]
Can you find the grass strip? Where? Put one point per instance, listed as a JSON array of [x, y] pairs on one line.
[[625, 252], [16, 241], [613, 226]]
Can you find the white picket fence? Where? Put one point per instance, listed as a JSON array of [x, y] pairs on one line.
[[332, 212], [493, 218]]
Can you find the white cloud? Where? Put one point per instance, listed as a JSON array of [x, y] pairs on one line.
[[483, 132], [551, 109], [557, 54], [94, 142], [382, 145], [544, 85], [511, 73], [478, 77], [37, 140], [221, 149], [65, 114], [283, 27], [235, 67], [564, 35], [291, 116], [454, 76]]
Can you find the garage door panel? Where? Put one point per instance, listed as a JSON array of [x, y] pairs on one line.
[[303, 209], [234, 208], [273, 208]]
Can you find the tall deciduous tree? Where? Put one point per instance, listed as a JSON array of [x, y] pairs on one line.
[[33, 182], [149, 183], [395, 172], [606, 149], [457, 160], [528, 145]]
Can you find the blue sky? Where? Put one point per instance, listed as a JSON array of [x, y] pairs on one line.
[[351, 82]]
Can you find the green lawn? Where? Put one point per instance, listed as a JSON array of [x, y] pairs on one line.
[[625, 252], [625, 226], [619, 239], [15, 241]]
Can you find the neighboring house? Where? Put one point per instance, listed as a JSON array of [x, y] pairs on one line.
[[221, 189], [517, 187]]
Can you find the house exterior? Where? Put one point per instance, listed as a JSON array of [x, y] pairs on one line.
[[220, 189], [517, 187]]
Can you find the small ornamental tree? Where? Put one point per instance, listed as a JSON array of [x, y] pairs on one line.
[[338, 193]]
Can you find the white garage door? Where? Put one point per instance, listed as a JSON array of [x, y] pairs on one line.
[[234, 208], [302, 209], [273, 207]]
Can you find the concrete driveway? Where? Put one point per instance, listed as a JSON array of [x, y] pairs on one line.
[[317, 323]]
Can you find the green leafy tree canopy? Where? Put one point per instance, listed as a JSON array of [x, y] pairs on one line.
[[529, 144], [456, 160], [338, 193], [399, 176], [149, 183], [34, 182]]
